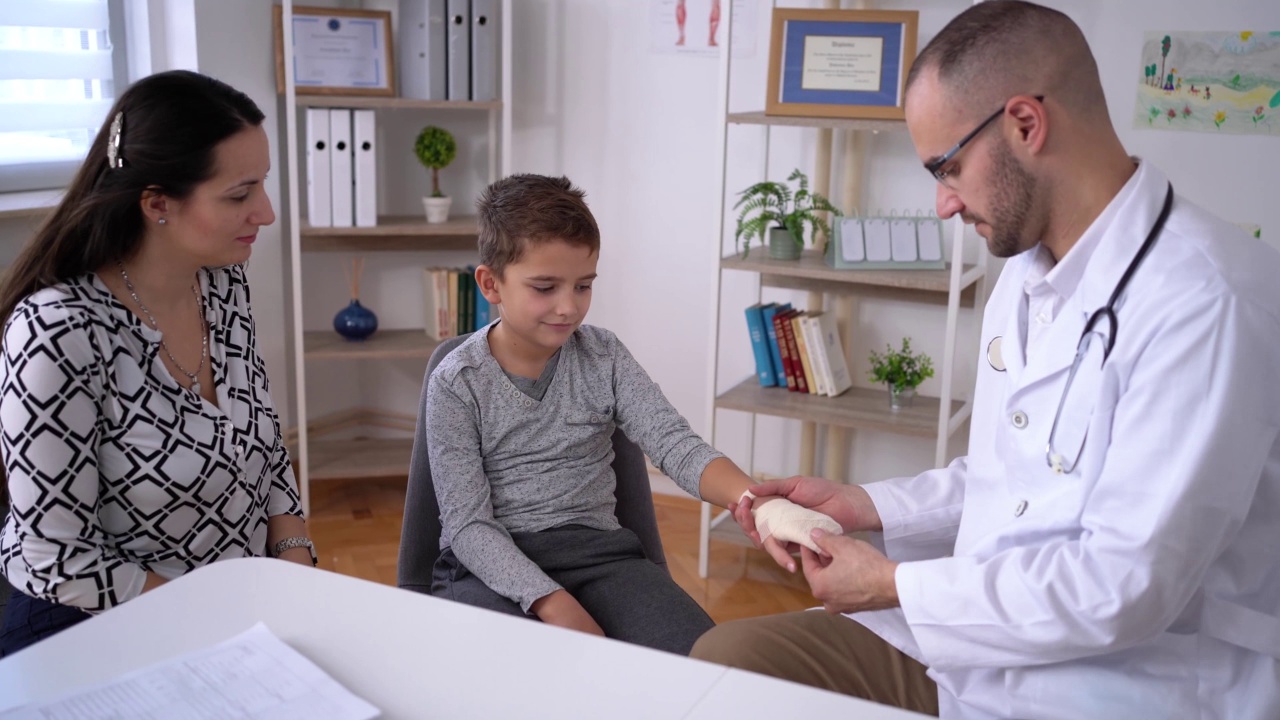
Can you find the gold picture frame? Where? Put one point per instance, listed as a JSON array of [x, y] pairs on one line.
[[840, 63], [337, 51]]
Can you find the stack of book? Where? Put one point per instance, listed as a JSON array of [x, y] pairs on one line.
[[800, 351], [454, 304]]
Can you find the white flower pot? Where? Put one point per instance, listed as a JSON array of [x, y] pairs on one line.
[[437, 208]]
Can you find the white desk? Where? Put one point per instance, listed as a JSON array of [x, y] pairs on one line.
[[410, 655]]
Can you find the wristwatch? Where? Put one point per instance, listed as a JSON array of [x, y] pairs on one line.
[[293, 542]]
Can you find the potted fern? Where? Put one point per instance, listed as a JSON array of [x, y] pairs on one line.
[[435, 149], [772, 207], [902, 371]]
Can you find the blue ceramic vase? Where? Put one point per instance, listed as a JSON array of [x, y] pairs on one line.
[[355, 321]]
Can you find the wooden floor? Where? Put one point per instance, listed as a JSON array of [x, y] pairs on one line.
[[355, 525]]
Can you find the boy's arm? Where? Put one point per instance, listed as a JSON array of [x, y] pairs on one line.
[[480, 542], [648, 418]]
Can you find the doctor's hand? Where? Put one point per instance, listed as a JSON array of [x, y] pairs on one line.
[[848, 505], [850, 575]]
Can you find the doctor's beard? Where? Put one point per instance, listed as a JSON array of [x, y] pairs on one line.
[[1012, 190]]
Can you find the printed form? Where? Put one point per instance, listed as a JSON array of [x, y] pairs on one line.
[[253, 675]]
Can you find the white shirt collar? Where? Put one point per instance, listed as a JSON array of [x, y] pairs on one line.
[[1064, 277]]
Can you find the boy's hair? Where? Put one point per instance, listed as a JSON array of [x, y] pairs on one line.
[[524, 209]]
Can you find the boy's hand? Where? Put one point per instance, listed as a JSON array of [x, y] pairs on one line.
[[848, 505], [563, 610]]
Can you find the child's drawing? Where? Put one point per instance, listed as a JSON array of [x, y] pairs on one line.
[[1224, 82]]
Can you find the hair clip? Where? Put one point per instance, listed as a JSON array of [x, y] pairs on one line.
[[113, 142]]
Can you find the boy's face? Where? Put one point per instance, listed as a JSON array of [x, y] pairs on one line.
[[545, 295]]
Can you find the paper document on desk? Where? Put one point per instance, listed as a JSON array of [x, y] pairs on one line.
[[253, 675]]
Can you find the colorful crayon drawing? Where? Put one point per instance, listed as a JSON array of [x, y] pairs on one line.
[[1220, 82]]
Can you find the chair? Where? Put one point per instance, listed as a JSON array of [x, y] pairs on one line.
[[420, 534]]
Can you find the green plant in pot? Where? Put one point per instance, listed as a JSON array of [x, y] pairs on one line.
[[902, 371], [773, 208], [435, 149]]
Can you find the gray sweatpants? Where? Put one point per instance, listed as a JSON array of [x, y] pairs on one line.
[[630, 598]]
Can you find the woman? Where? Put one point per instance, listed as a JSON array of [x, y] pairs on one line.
[[138, 438]]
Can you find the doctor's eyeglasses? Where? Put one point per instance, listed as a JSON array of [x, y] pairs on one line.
[[935, 165], [1071, 421]]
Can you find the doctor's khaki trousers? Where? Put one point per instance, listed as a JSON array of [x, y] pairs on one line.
[[825, 651]]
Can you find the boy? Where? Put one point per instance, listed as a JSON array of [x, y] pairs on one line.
[[519, 420]]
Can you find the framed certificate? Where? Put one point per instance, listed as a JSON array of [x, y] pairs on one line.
[[840, 63], [337, 51]]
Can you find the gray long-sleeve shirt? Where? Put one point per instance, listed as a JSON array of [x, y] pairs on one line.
[[504, 462]]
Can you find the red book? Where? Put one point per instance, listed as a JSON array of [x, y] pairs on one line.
[[784, 349], [796, 367]]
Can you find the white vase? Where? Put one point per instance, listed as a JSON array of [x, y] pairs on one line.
[[437, 209]]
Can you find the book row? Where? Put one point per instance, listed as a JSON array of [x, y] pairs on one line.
[[798, 350], [454, 303]]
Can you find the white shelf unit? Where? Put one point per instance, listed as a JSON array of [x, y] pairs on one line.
[[833, 290], [322, 459]]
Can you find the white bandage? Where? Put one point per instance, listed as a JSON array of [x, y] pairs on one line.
[[789, 522]]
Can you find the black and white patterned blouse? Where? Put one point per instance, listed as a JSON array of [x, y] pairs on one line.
[[113, 468]]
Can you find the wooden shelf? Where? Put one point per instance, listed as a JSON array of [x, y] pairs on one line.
[[811, 273], [394, 232], [393, 103], [362, 458], [857, 408], [383, 344], [759, 118]]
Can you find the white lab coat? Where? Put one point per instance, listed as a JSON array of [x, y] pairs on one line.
[[1145, 583]]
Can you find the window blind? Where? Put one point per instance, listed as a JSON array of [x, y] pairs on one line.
[[57, 83]]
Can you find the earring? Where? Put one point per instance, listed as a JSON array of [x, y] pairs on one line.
[[162, 221]]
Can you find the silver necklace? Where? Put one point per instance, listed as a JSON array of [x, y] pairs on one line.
[[194, 377]]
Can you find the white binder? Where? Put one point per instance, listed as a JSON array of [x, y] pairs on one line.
[[340, 137], [319, 208], [459, 49], [484, 49], [365, 148], [423, 73]]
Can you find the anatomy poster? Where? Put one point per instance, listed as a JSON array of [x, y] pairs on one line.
[[1215, 82], [695, 27]]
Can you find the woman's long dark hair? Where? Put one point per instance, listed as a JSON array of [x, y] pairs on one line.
[[171, 123]]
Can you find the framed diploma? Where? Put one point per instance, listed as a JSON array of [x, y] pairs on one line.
[[337, 52], [840, 63]]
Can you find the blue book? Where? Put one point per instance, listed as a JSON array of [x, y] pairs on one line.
[[482, 307], [771, 332], [764, 364]]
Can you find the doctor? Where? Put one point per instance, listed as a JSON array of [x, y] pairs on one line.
[[1110, 547]]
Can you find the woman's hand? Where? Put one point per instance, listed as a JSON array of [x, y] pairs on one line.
[[299, 555]]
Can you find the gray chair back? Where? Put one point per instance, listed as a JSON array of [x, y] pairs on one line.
[[420, 533]]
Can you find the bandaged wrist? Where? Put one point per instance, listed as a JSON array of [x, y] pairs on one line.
[[789, 522]]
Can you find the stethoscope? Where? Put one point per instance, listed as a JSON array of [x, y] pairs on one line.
[[1091, 330]]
